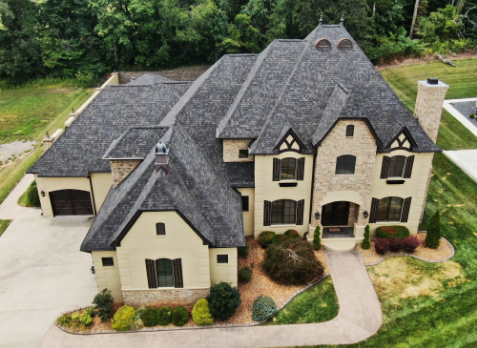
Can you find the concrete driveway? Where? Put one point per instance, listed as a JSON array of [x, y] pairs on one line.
[[42, 274]]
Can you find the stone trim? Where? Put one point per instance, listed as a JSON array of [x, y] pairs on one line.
[[152, 297], [232, 147], [120, 169]]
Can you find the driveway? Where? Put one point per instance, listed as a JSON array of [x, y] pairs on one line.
[[42, 273]]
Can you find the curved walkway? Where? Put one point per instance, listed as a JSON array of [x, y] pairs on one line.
[[359, 318], [9, 209]]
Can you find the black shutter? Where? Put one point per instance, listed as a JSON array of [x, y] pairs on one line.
[[374, 210], [384, 169], [409, 163], [177, 263], [405, 209], [276, 169], [151, 273], [301, 168], [299, 212], [267, 213]]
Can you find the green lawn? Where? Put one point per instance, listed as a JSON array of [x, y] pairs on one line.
[[3, 225], [30, 198]]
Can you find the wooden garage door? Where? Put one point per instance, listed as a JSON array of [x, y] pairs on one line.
[[71, 202]]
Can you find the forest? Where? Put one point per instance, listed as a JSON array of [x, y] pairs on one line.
[[86, 39]]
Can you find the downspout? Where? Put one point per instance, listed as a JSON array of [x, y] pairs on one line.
[[92, 195], [312, 184]]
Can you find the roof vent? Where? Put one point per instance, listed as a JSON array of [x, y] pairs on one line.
[[133, 78], [162, 157], [432, 81], [322, 43]]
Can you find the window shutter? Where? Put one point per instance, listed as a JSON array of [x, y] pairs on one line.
[[299, 212], [276, 169], [408, 170], [384, 169], [374, 210], [177, 263], [151, 273], [267, 213], [301, 168], [405, 209]]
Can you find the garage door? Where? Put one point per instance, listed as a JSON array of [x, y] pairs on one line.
[[71, 202]]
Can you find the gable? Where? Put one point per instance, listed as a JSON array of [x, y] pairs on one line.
[[289, 143], [403, 141]]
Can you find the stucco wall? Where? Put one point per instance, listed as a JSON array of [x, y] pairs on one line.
[[101, 185], [248, 217], [231, 150], [267, 189], [107, 277], [223, 272]]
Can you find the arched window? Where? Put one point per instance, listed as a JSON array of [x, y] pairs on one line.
[[322, 43], [345, 43], [283, 212], [288, 169], [396, 166], [345, 164], [165, 273], [349, 130], [389, 209]]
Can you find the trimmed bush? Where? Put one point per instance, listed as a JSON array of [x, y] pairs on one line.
[[395, 244], [32, 194], [366, 244], [223, 300], [410, 244], [201, 313], [317, 238], [137, 321], [103, 303], [266, 238], [164, 316], [292, 262], [263, 308], [150, 316], [472, 116], [381, 245], [434, 234], [245, 274], [243, 251], [180, 316], [400, 232], [123, 318], [86, 317]]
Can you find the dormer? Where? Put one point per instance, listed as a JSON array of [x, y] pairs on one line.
[[322, 44]]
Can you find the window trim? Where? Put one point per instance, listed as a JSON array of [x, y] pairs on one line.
[[283, 222], [389, 209], [248, 204], [241, 151], [223, 262], [157, 229], [281, 166], [342, 157], [105, 258]]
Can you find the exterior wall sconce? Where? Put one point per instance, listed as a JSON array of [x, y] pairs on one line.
[[317, 216], [43, 193], [365, 214], [92, 269]]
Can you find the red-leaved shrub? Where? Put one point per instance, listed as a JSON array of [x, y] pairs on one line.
[[294, 232], [381, 245], [395, 244], [410, 244]]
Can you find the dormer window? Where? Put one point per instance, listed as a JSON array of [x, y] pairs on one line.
[[322, 43], [345, 43]]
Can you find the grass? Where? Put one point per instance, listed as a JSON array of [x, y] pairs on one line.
[[3, 225], [30, 198], [461, 79], [314, 305]]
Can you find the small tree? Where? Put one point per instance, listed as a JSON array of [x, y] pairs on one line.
[[366, 243], [103, 303], [317, 238], [434, 234], [223, 300]]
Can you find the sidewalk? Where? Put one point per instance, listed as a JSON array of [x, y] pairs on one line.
[[9, 209]]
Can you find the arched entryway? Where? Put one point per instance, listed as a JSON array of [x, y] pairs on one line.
[[71, 202], [338, 219]]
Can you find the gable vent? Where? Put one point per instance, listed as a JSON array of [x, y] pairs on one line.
[[345, 43], [322, 43]]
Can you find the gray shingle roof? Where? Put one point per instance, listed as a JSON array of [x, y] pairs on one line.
[[149, 80]]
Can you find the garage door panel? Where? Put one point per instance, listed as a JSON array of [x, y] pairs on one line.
[[71, 202]]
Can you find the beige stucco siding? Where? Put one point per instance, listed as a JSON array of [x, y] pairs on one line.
[[223, 272], [180, 241], [101, 186], [107, 277], [248, 216], [267, 189]]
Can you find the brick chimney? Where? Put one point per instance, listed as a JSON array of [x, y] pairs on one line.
[[430, 99]]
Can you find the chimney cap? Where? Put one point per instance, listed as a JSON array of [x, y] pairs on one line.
[[161, 148], [433, 81]]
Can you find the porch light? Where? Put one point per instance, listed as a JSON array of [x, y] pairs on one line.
[[92, 269], [317, 216], [43, 193], [365, 214]]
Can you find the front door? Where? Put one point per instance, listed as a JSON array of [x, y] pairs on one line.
[[335, 214]]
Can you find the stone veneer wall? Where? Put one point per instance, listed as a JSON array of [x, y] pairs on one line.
[[138, 298], [232, 147], [120, 169], [363, 146]]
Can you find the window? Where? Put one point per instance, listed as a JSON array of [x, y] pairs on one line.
[[160, 229], [345, 164], [389, 209], [243, 153], [284, 212], [322, 43], [345, 43], [396, 166], [288, 169], [107, 261], [222, 258], [165, 273], [349, 131], [244, 203]]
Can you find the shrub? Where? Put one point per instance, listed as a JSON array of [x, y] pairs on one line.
[[137, 321], [292, 262], [180, 316], [86, 317], [263, 308], [381, 245], [223, 300], [123, 318], [32, 195], [317, 238], [103, 303], [76, 317], [150, 317], [395, 244], [201, 313], [164, 316], [243, 251], [291, 234], [434, 234], [400, 232], [245, 274], [472, 115], [366, 243], [65, 320], [410, 244], [266, 238]]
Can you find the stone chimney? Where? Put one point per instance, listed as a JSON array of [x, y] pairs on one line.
[[162, 157], [429, 102], [120, 169]]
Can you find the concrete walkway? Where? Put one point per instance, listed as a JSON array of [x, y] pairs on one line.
[[466, 160], [359, 318], [461, 118], [9, 209]]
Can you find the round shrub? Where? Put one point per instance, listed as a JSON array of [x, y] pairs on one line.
[[395, 244], [471, 115], [223, 300], [164, 316], [381, 245], [86, 317], [410, 244], [245, 274], [292, 262], [180, 316], [400, 232], [137, 321], [243, 251], [201, 313], [65, 320], [150, 316], [266, 238], [76, 316], [263, 308], [123, 318]]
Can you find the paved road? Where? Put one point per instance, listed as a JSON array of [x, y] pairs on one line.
[[359, 318], [42, 273], [9, 209]]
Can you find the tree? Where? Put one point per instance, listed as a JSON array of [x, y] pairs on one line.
[[434, 234], [366, 243], [317, 238]]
